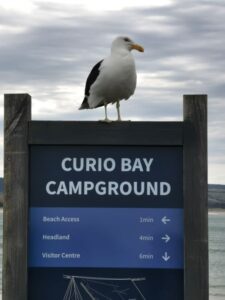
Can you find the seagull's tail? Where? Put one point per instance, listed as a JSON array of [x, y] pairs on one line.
[[84, 104]]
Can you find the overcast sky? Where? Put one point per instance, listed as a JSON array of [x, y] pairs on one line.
[[47, 49]]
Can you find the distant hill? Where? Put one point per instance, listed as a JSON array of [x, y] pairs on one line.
[[1, 185], [1, 191], [216, 195]]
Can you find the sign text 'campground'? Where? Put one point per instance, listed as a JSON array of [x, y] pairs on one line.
[[111, 187]]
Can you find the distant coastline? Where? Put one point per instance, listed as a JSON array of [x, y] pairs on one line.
[[216, 196], [216, 211]]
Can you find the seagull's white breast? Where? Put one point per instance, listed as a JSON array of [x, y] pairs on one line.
[[116, 81]]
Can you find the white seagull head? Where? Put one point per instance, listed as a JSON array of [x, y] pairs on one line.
[[123, 43]]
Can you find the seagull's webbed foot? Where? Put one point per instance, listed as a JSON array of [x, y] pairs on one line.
[[120, 120], [106, 120]]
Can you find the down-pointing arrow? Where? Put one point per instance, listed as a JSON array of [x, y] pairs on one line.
[[166, 257], [166, 238]]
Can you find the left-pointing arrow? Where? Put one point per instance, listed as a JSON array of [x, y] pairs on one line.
[[165, 220], [166, 257]]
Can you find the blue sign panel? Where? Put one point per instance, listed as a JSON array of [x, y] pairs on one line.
[[106, 222], [106, 237]]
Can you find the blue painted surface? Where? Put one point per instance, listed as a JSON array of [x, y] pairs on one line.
[[107, 237], [109, 241]]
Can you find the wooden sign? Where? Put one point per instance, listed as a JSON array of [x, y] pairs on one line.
[[105, 211]]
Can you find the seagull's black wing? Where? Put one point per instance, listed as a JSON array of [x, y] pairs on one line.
[[92, 77], [90, 80]]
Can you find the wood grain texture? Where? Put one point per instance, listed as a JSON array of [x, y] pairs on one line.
[[195, 197], [191, 134], [98, 133], [17, 114]]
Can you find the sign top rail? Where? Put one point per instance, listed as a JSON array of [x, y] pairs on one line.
[[115, 133]]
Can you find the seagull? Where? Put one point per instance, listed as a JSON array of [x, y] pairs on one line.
[[113, 78]]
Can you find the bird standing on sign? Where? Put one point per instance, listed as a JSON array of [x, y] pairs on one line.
[[113, 78]]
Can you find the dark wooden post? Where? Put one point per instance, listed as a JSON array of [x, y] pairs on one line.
[[195, 197], [17, 114]]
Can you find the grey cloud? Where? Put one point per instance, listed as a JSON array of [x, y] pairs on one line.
[[48, 48], [58, 45]]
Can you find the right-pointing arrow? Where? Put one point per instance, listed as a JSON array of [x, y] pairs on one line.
[[166, 257], [166, 238]]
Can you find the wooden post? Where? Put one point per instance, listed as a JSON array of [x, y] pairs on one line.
[[194, 133], [17, 114], [195, 197]]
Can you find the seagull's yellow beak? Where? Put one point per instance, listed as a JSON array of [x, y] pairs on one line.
[[137, 47]]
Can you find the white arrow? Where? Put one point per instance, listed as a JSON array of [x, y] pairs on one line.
[[166, 257], [165, 220], [166, 238]]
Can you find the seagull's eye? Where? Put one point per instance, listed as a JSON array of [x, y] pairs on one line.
[[126, 40]]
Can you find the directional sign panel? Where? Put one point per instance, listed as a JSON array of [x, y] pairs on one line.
[[106, 222], [140, 237]]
